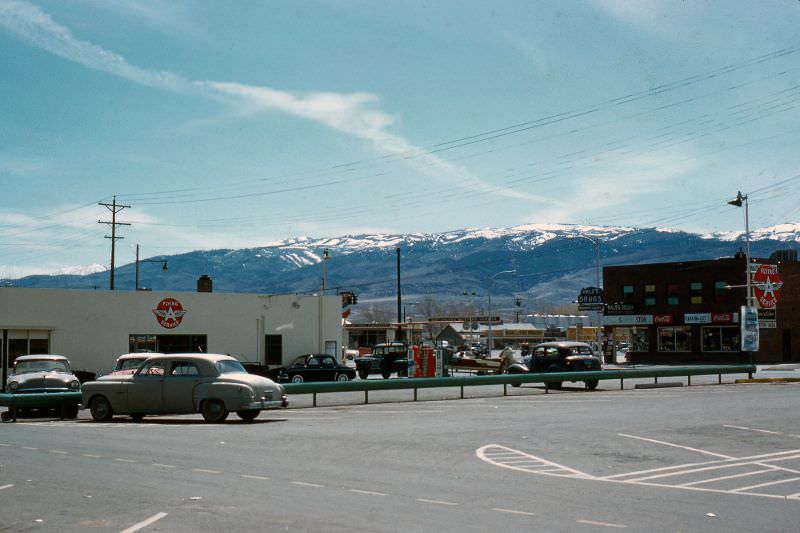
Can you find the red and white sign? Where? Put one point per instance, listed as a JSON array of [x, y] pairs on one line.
[[767, 285], [662, 320], [169, 313], [722, 318]]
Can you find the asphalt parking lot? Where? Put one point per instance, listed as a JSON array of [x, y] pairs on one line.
[[701, 458]]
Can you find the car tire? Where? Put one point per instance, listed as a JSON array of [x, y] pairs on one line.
[[213, 411], [5, 416], [101, 409], [342, 377], [592, 384], [70, 411], [363, 374], [248, 415], [386, 374], [137, 417], [297, 378]]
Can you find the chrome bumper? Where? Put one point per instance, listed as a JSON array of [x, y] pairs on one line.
[[268, 404]]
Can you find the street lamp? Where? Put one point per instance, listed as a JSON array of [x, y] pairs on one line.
[[738, 202], [596, 242], [489, 295], [320, 344], [164, 267]]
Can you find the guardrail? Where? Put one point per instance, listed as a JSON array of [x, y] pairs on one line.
[[415, 384]]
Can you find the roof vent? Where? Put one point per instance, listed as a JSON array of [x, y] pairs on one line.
[[204, 283]]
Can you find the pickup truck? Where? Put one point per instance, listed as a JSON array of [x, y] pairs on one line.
[[385, 359]]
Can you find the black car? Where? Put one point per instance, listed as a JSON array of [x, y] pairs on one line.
[[316, 367], [560, 357], [385, 359]]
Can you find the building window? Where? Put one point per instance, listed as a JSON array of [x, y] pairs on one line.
[[678, 339], [696, 292], [273, 349], [720, 339], [627, 293], [672, 294], [649, 295], [721, 292]]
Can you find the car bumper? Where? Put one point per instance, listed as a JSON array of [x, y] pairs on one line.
[[39, 400], [268, 404]]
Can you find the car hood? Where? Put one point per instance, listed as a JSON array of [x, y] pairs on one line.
[[253, 380], [43, 380]]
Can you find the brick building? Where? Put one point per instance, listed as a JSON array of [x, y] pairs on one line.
[[689, 312]]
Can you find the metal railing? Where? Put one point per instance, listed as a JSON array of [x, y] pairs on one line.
[[367, 385]]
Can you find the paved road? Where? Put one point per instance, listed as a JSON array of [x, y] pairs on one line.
[[705, 458]]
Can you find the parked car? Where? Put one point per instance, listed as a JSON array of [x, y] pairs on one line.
[[39, 382], [560, 357], [211, 384], [129, 362], [385, 359], [316, 367]]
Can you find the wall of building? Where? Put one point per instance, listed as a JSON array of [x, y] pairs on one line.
[[92, 328]]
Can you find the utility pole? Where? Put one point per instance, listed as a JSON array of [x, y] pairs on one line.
[[114, 208], [399, 300]]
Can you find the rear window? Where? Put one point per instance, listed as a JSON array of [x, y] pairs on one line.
[[230, 366], [582, 350]]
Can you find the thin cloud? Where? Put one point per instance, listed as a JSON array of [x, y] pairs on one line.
[[355, 114]]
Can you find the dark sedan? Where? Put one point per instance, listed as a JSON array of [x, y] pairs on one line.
[[560, 357], [316, 367]]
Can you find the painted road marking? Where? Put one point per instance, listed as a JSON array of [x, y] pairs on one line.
[[91, 456], [124, 460], [435, 502], [676, 445], [512, 511], [3, 487], [144, 523], [58, 451], [603, 524], [752, 429], [159, 465], [29, 448], [4, 445], [501, 456], [367, 492], [304, 484], [251, 476], [206, 471]]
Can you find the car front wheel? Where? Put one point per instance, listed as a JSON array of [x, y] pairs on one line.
[[592, 384], [248, 415], [342, 377], [101, 409], [214, 411], [363, 374], [70, 411], [297, 378]]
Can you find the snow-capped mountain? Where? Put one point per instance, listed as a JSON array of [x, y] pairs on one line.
[[551, 262]]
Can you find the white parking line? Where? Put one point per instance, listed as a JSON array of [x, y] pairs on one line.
[[29, 448], [3, 487], [144, 523], [367, 492], [159, 465], [689, 448], [512, 511], [436, 502], [206, 471], [124, 460], [603, 524], [58, 452], [304, 484], [91, 456], [251, 476], [713, 479], [744, 489], [753, 429], [4, 445]]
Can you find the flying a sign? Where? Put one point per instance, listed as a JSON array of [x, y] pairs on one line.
[[767, 285]]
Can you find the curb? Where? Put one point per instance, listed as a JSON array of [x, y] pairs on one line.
[[769, 380]]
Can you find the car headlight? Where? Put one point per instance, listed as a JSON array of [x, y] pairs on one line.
[[13, 385], [75, 384]]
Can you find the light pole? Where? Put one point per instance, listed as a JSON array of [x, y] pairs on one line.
[[738, 202], [489, 295], [598, 326], [164, 268], [321, 298]]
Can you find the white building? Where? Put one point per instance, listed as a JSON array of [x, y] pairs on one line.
[[92, 328]]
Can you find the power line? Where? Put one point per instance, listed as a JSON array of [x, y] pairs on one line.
[[114, 208]]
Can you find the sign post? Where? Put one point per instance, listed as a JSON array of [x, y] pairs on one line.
[[749, 329]]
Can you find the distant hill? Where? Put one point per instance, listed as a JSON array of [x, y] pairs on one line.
[[552, 262]]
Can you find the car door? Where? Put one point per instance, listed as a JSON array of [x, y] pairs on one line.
[[179, 383], [328, 368], [144, 392], [314, 370]]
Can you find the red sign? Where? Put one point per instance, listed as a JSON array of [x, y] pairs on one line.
[[767, 285], [169, 313], [662, 319], [721, 318]]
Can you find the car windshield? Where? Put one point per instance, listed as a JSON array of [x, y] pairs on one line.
[[128, 364], [41, 365], [230, 366], [581, 350]]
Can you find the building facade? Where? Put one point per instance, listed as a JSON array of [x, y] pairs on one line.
[[689, 312], [92, 328]]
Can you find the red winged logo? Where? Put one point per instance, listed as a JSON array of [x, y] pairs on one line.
[[169, 313]]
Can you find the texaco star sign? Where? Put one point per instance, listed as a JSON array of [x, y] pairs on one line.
[[767, 285]]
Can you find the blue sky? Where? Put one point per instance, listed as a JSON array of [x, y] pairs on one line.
[[239, 124]]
